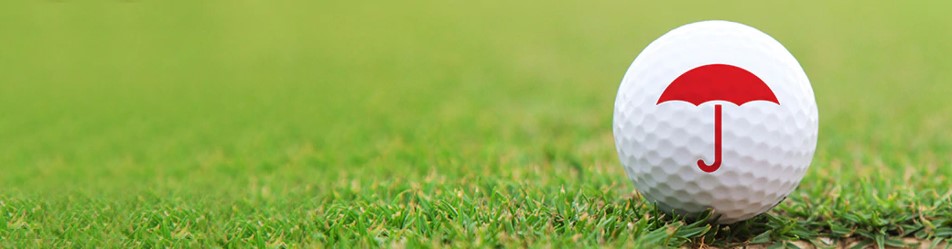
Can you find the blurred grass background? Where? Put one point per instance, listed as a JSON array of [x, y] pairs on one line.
[[285, 105]]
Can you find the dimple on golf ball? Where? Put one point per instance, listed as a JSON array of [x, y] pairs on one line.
[[715, 115]]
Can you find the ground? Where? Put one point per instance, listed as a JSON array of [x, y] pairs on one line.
[[433, 123]]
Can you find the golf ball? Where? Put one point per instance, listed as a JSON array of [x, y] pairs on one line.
[[715, 115]]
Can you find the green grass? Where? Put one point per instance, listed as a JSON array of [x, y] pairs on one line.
[[431, 123]]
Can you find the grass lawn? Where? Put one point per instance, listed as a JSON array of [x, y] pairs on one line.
[[337, 123]]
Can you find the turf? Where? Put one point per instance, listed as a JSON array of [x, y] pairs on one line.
[[432, 124]]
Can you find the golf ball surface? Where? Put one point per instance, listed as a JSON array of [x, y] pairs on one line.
[[715, 115]]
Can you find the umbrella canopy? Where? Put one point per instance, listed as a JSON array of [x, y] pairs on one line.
[[717, 82]]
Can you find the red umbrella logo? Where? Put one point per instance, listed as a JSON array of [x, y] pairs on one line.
[[717, 82]]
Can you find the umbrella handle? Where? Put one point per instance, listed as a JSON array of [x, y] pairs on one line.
[[717, 144]]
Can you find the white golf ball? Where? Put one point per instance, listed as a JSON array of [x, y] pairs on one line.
[[729, 78]]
